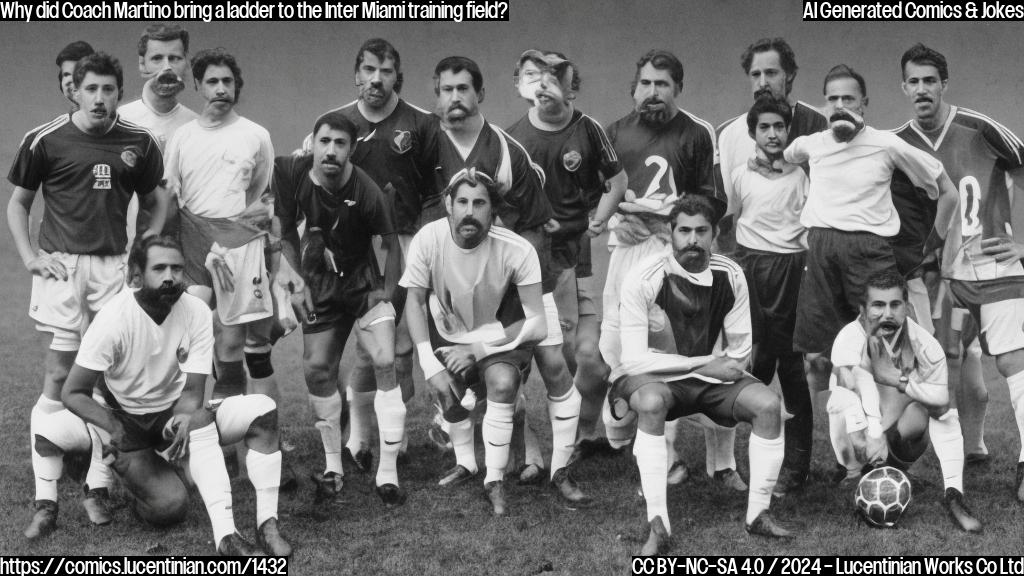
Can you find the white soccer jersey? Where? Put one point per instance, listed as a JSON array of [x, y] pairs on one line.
[[467, 286], [144, 363], [769, 209], [217, 172], [850, 181], [162, 126]]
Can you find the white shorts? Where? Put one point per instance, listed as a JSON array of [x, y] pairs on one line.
[[554, 337], [251, 298], [236, 414], [1002, 326], [65, 307]]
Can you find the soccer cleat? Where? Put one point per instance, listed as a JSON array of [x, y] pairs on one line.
[[269, 538], [766, 525], [568, 489], [391, 495], [590, 447], [457, 475], [1020, 481], [44, 521], [531, 475], [495, 492], [730, 478], [678, 473], [97, 506], [658, 540], [236, 545], [962, 516], [328, 485], [362, 461]]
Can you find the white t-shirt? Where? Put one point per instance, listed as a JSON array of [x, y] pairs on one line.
[[467, 286], [850, 181], [217, 172], [145, 363], [769, 209], [162, 126]]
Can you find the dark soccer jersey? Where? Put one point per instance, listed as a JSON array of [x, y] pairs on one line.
[[349, 218], [503, 158], [86, 182], [661, 161], [696, 313], [976, 152], [574, 160], [399, 153]]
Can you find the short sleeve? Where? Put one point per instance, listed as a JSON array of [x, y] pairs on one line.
[[849, 345], [101, 344], [527, 270], [28, 169]]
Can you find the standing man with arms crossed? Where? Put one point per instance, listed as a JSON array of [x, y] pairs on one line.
[[87, 164], [982, 252]]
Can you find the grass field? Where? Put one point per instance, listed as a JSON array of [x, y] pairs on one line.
[[451, 532]]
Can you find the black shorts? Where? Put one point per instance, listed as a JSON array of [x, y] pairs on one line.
[[833, 286], [689, 396], [773, 281], [902, 451], [144, 431], [345, 298]]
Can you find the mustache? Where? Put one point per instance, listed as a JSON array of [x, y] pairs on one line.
[[762, 91], [652, 101], [842, 115], [169, 77], [470, 221], [457, 106]]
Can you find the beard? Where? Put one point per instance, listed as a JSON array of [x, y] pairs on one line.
[[693, 259], [168, 84], [651, 115], [159, 300], [845, 125]]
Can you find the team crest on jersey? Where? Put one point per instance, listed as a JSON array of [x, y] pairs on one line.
[[572, 160], [401, 141], [182, 354], [101, 172], [130, 156]]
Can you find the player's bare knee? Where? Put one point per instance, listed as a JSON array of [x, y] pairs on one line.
[[1010, 363], [318, 377], [44, 447], [383, 358], [914, 421], [262, 434], [167, 507], [649, 401], [502, 383]]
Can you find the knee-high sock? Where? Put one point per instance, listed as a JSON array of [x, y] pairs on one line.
[[564, 413], [265, 475], [720, 443], [765, 463], [206, 462], [497, 435], [948, 442], [99, 475], [972, 406], [618, 432], [652, 460], [1016, 385], [47, 469], [463, 443], [327, 412], [391, 422], [360, 424]]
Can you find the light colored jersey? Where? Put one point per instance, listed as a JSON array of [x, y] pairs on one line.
[[217, 172], [145, 363], [162, 126], [769, 209], [850, 181], [467, 287]]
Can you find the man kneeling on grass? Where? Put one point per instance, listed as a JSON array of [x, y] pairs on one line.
[[154, 347], [702, 298]]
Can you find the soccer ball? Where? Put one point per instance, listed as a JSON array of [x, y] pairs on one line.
[[882, 496]]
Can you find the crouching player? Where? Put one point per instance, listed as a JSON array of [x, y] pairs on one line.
[[891, 394], [702, 298], [154, 347]]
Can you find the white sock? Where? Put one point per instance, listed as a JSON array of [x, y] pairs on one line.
[[497, 435], [463, 443], [265, 475], [948, 442], [564, 413], [360, 405], [765, 463], [652, 460], [1016, 385], [47, 469], [618, 432], [391, 422], [99, 475], [206, 462], [327, 412]]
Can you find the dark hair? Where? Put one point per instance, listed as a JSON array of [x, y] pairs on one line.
[[101, 64], [162, 33], [139, 255], [661, 60], [924, 56], [216, 57], [75, 51], [884, 280], [786, 56], [693, 205], [337, 121], [536, 56], [844, 71], [456, 64], [383, 50], [768, 104], [474, 177]]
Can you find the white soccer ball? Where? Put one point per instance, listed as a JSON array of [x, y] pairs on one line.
[[882, 496]]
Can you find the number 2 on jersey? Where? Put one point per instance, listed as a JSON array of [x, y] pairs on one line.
[[655, 184]]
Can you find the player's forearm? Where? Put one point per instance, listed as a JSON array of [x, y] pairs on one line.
[[77, 397], [191, 399], [419, 333], [637, 358], [161, 199], [616, 190], [534, 329], [931, 394], [946, 206], [17, 220]]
